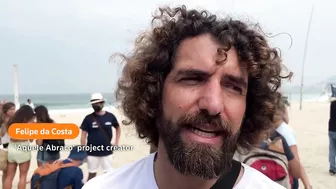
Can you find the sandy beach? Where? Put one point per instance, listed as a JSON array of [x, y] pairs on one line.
[[310, 126]]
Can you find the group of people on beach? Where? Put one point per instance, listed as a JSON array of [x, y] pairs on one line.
[[10, 151], [96, 130], [16, 158]]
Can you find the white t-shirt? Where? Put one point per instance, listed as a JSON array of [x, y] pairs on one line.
[[287, 132], [31, 105], [5, 139], [140, 175]]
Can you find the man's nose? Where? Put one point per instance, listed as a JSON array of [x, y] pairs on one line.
[[211, 98]]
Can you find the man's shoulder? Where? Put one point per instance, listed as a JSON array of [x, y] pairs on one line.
[[109, 114], [133, 174], [88, 116], [253, 179]]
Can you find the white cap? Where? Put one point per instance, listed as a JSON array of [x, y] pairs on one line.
[[97, 97]]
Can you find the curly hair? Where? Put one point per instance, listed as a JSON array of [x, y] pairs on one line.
[[140, 86]]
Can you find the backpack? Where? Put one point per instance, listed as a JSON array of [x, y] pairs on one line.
[[46, 176], [51, 144], [269, 160]]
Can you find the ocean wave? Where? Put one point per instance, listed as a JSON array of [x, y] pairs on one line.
[[79, 110]]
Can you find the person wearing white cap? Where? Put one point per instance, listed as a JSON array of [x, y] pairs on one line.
[[97, 132]]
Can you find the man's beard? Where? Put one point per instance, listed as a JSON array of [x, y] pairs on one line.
[[194, 158]]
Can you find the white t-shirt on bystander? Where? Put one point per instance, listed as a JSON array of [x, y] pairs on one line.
[[287, 132], [5, 139], [31, 105], [140, 175]]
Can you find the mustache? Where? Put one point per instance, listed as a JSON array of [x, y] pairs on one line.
[[202, 118]]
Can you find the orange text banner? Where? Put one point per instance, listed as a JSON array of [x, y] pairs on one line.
[[43, 131]]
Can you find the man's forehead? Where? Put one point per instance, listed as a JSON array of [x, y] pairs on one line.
[[196, 48], [203, 52], [211, 68]]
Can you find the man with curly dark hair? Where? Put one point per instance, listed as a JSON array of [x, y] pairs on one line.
[[196, 86]]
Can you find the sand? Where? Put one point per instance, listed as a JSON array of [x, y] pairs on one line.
[[310, 126]]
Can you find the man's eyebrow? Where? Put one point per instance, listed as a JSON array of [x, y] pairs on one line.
[[192, 72], [201, 73], [236, 79]]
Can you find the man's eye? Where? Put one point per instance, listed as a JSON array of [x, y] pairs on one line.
[[233, 88], [191, 80]]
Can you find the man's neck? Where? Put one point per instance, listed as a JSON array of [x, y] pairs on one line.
[[102, 112], [168, 177]]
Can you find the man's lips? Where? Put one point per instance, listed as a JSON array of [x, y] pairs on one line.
[[205, 133], [207, 128]]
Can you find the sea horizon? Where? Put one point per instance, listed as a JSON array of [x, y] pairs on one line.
[[74, 102], [64, 101]]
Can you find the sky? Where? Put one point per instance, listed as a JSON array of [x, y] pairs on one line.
[[64, 46]]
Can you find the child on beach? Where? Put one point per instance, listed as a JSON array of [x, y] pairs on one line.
[[295, 166], [277, 143], [19, 157], [287, 132]]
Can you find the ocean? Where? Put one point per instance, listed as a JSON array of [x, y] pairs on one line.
[[61, 102], [76, 102], [308, 97]]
